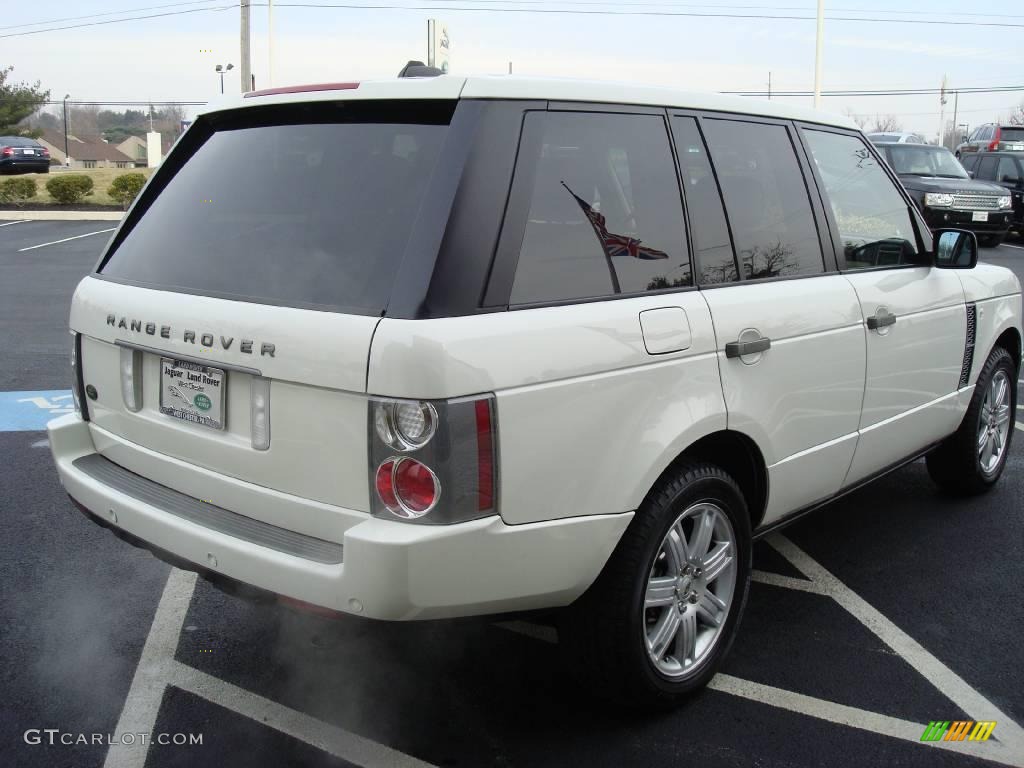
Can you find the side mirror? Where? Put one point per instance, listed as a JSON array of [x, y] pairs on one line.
[[971, 174], [955, 249]]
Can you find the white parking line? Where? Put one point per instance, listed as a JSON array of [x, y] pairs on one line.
[[778, 580], [147, 690], [1007, 743], [9, 223], [858, 718], [66, 239], [1019, 426], [1018, 247], [323, 736], [158, 668], [954, 687]]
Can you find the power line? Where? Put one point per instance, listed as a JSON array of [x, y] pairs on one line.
[[885, 92], [118, 21], [504, 9], [107, 13]]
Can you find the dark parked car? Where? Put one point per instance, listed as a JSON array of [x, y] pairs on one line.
[[946, 195], [992, 137], [21, 155], [1005, 169]]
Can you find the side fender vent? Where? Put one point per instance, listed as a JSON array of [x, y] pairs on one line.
[[972, 323]]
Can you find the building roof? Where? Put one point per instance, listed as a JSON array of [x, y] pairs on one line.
[[550, 89]]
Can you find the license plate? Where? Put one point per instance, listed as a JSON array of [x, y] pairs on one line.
[[1016, 147], [29, 151], [979, 216], [192, 392]]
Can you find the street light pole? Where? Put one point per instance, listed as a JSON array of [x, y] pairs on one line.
[[67, 160], [817, 54], [220, 69]]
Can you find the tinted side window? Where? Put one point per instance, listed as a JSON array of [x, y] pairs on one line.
[[1007, 171], [605, 211], [969, 161], [987, 167], [873, 218], [708, 230], [766, 199]]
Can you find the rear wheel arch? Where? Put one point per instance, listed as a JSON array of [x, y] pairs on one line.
[[739, 456]]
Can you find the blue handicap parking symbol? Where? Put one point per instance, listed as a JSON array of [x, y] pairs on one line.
[[28, 411]]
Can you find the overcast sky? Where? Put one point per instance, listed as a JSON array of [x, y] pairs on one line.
[[173, 57]]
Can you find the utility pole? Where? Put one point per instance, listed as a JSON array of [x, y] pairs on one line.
[[246, 67], [819, 40], [956, 106], [67, 160], [942, 113], [270, 42]]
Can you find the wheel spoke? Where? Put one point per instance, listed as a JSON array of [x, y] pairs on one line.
[[661, 590], [664, 632], [986, 451], [675, 547], [717, 561], [686, 638], [1002, 414], [700, 539], [712, 608], [1001, 387], [982, 439]]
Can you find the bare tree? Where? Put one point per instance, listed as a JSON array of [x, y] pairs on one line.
[[1017, 115], [886, 124], [82, 121], [860, 120]]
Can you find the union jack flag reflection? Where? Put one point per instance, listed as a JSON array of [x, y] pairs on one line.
[[613, 244]]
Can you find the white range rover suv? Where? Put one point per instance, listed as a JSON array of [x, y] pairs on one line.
[[452, 346]]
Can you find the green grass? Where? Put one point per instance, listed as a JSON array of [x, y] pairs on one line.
[[101, 178]]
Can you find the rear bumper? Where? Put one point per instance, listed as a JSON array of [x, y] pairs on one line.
[[23, 166], [389, 570]]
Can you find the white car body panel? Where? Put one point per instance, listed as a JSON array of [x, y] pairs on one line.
[[593, 401], [559, 374]]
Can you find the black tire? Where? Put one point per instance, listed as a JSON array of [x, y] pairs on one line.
[[955, 465], [603, 634]]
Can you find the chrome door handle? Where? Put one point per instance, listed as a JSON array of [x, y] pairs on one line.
[[881, 319], [741, 348]]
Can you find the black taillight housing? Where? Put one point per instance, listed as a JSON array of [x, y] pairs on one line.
[[433, 462]]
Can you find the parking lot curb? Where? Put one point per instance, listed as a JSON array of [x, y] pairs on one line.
[[61, 215]]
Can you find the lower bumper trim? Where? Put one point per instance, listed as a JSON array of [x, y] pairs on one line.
[[205, 514]]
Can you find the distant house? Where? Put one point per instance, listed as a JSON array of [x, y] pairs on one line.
[[135, 148], [88, 151]]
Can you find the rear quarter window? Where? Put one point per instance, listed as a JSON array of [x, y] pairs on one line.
[[605, 214], [303, 206]]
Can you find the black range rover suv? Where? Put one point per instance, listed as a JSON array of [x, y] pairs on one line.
[[947, 195]]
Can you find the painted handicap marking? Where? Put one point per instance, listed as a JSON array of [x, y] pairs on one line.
[[29, 411]]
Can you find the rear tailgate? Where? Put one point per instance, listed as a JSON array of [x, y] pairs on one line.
[[317, 373], [261, 254]]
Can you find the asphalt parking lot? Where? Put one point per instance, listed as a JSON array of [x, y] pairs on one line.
[[889, 609]]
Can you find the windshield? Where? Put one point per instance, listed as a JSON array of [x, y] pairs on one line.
[[915, 160], [314, 214]]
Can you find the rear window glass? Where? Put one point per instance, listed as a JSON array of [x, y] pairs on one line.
[[315, 214], [17, 141], [1011, 134]]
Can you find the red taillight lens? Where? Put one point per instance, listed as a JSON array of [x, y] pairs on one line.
[[7, 152], [416, 486], [484, 456], [46, 152], [385, 485], [419, 447], [994, 144]]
